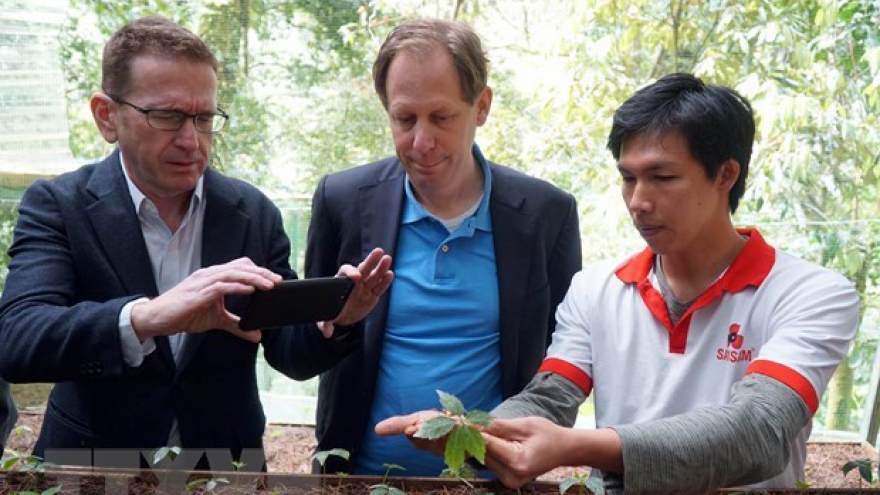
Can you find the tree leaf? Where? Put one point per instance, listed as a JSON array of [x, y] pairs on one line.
[[436, 427], [451, 403], [481, 418], [455, 449]]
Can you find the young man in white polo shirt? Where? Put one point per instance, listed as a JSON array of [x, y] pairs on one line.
[[709, 351]]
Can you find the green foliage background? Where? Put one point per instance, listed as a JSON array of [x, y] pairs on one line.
[[296, 79]]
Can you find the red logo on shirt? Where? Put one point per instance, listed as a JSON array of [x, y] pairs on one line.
[[734, 339], [734, 352]]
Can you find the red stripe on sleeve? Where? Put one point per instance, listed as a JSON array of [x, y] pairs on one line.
[[570, 372], [790, 377]]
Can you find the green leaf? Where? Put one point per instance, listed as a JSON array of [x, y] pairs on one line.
[[52, 491], [12, 461], [436, 427], [473, 442], [456, 446], [451, 403], [322, 456], [481, 418], [380, 489], [389, 467], [595, 485], [567, 483], [163, 453]]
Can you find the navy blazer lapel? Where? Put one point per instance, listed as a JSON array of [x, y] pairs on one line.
[[513, 233], [114, 219], [223, 237], [380, 204], [116, 224]]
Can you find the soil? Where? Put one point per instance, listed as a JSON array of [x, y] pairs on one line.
[[289, 448]]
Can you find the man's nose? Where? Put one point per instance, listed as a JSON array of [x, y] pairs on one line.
[[639, 198], [423, 138], [187, 136]]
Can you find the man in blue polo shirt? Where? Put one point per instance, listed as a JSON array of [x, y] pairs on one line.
[[482, 256]]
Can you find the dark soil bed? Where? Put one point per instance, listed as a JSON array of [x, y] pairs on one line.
[[288, 451]]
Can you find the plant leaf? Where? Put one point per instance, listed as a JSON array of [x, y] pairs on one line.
[[481, 418], [322, 455], [595, 485], [473, 442], [566, 484], [864, 467], [451, 403], [436, 427], [380, 489], [9, 463], [52, 491], [389, 467], [455, 449], [395, 491]]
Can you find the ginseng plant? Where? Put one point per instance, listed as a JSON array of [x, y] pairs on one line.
[[462, 431]]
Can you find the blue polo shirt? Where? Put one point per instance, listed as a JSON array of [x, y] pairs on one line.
[[442, 332]]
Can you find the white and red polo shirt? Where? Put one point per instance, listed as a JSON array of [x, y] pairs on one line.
[[769, 313]]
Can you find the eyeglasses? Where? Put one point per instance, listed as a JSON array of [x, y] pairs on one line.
[[173, 120]]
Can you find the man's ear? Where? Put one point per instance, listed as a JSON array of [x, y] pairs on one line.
[[104, 113], [484, 104], [728, 174]]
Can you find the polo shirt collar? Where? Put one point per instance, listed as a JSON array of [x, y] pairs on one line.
[[750, 267], [413, 211]]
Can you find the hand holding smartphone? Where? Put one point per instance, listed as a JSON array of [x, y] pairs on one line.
[[297, 301]]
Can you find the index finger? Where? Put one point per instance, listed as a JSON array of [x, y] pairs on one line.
[[397, 425]]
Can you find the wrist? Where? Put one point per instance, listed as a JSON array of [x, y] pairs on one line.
[[138, 318]]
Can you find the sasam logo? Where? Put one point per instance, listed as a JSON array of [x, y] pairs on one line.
[[735, 356]]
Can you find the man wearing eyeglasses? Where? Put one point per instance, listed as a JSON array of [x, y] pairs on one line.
[[127, 275]]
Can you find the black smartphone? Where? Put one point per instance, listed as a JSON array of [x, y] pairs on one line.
[[297, 301]]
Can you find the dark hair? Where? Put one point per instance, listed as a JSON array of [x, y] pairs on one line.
[[152, 35], [424, 35], [716, 122]]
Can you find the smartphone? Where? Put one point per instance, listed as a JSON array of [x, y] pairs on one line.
[[297, 301]]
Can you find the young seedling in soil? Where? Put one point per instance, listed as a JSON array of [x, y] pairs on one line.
[[383, 488], [206, 484], [865, 467], [462, 431], [322, 455], [583, 481]]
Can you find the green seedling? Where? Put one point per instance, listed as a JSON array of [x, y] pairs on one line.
[[865, 467], [383, 488], [48, 491], [206, 484], [321, 458], [462, 431], [24, 463], [583, 482], [163, 453], [802, 485]]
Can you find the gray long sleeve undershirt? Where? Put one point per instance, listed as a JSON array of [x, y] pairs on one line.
[[745, 441]]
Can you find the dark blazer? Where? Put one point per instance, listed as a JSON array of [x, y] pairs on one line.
[[537, 251], [8, 413], [78, 256]]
